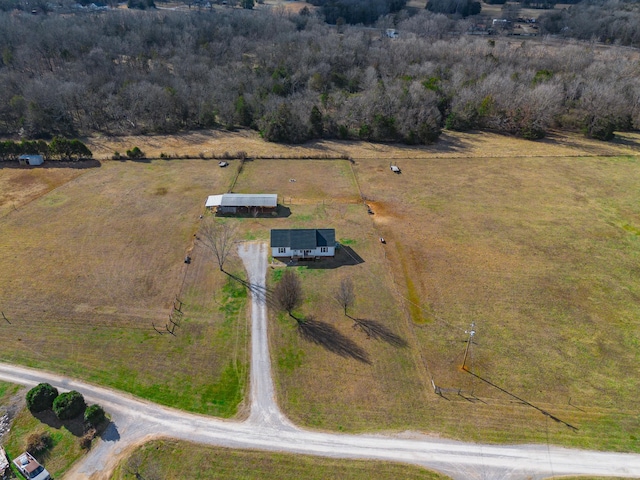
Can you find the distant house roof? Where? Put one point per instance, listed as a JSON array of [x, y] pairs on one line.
[[303, 238], [243, 200]]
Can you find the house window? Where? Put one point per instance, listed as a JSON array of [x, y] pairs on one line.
[[324, 249], [281, 250]]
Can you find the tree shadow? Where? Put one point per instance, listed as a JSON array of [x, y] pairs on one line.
[[51, 164], [377, 331], [280, 212], [329, 338], [263, 294], [109, 433], [75, 425]]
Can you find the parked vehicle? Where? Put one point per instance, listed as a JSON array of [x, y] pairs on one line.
[[30, 468]]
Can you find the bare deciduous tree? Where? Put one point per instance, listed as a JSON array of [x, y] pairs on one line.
[[288, 292], [345, 295], [220, 238]]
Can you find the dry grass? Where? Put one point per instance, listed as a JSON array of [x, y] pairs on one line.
[[300, 181], [21, 185], [450, 145], [540, 253], [88, 268]]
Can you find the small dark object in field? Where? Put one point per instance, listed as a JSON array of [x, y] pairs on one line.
[[187, 259]]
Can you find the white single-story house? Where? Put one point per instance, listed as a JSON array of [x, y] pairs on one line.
[[31, 159], [303, 242], [239, 202]]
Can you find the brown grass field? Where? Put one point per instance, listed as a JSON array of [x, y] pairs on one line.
[[535, 242]]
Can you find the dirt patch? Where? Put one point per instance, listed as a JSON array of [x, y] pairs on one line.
[[8, 410]]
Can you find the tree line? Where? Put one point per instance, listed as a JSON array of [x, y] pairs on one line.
[[58, 149], [607, 21], [292, 77]]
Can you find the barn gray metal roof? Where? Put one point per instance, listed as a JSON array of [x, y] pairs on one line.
[[243, 200], [303, 238]]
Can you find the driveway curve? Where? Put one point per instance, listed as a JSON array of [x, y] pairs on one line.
[[135, 421]]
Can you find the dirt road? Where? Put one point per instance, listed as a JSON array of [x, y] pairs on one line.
[[136, 421]]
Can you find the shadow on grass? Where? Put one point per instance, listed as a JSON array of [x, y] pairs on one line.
[[329, 338], [280, 212], [75, 426], [49, 164], [378, 331], [263, 294], [544, 412]]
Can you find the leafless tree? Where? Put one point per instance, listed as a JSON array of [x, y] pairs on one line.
[[220, 238], [288, 292], [345, 295]]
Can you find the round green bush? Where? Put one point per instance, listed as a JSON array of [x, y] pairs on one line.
[[41, 397], [94, 415], [69, 405]]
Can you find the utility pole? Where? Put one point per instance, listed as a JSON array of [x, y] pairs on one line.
[[471, 333]]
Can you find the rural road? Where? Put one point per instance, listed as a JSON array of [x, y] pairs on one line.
[[135, 421]]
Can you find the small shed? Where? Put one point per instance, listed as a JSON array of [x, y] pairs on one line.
[[242, 203], [303, 242], [31, 160]]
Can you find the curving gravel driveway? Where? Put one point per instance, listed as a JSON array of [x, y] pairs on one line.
[[136, 421]]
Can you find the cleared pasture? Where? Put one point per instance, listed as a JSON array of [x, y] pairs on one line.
[[541, 255], [450, 145], [89, 268]]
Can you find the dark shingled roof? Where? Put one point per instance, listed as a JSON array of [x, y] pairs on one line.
[[303, 238]]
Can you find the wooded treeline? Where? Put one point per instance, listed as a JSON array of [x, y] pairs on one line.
[[292, 77], [57, 149], [607, 21]]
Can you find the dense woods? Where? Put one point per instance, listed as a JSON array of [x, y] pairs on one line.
[[293, 77], [607, 21]]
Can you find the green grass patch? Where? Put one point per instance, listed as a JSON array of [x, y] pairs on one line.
[[171, 459], [7, 390], [227, 393], [290, 358], [234, 299], [62, 454], [276, 274]]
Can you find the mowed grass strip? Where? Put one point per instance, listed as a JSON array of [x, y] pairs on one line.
[[170, 459], [92, 266]]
